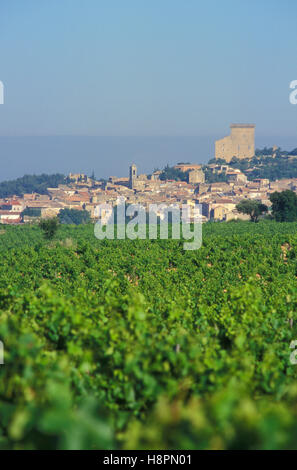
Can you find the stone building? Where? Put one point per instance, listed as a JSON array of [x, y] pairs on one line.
[[196, 176], [236, 176], [240, 143], [187, 166], [156, 175]]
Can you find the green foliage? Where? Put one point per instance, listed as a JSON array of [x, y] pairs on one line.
[[267, 152], [140, 344], [283, 165], [73, 216], [32, 211], [171, 173], [265, 165], [30, 184], [211, 177], [253, 208], [49, 227], [284, 206], [274, 168]]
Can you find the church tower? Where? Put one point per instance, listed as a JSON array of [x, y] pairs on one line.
[[132, 176]]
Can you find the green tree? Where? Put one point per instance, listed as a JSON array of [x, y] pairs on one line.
[[284, 206], [73, 216], [30, 184], [49, 227], [212, 177], [217, 161], [171, 173], [32, 211], [253, 208]]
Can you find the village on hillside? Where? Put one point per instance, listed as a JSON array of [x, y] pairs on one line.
[[218, 199]]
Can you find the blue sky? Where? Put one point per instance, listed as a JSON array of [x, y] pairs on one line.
[[142, 68]]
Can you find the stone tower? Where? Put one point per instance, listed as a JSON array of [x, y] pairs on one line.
[[132, 176], [240, 143]]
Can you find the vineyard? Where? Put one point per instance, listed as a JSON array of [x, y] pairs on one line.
[[138, 344]]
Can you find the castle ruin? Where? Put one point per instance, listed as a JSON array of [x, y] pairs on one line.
[[240, 143]]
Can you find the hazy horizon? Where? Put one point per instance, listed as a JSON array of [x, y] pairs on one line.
[[109, 155], [166, 77]]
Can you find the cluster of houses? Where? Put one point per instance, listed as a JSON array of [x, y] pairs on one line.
[[218, 199]]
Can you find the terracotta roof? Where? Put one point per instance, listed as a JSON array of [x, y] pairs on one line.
[[224, 201], [3, 212]]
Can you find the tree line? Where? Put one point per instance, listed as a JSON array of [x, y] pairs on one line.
[[30, 184], [283, 209]]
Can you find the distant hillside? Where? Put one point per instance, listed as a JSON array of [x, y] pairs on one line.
[[171, 173], [30, 183], [274, 168], [269, 151], [264, 165]]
